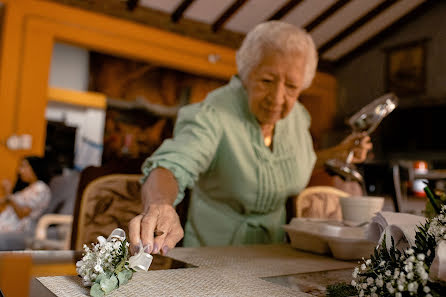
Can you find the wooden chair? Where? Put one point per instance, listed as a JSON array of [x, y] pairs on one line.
[[320, 202], [107, 203]]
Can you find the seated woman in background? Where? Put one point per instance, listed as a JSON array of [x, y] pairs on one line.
[[19, 209], [245, 149]]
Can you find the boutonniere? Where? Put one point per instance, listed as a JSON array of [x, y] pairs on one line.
[[107, 264]]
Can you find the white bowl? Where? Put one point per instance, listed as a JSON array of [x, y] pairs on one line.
[[359, 209]]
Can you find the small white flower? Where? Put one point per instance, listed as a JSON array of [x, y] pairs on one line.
[[368, 262], [382, 263], [390, 288], [387, 273], [379, 282], [400, 288], [355, 272], [363, 267], [370, 281], [398, 294], [410, 251], [101, 240], [421, 257], [426, 289], [353, 283]]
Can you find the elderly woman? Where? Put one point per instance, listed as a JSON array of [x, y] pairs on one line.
[[244, 150]]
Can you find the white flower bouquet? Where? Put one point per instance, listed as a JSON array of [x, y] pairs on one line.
[[107, 264], [393, 272]]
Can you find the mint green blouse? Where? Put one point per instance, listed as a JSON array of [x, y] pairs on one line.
[[239, 185]]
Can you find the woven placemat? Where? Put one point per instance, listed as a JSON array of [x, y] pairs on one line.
[[222, 271], [179, 282], [257, 260]]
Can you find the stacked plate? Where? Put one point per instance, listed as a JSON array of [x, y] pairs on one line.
[[325, 237]]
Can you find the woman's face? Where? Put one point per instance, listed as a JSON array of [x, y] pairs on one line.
[[274, 85], [26, 172]]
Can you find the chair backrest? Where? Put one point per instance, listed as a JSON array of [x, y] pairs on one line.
[[107, 203], [320, 202]]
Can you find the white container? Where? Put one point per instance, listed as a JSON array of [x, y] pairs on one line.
[[351, 249], [359, 209], [324, 237]]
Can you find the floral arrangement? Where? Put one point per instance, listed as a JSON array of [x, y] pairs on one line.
[[106, 265], [392, 272]]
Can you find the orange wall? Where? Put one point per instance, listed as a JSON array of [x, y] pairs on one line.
[[30, 28]]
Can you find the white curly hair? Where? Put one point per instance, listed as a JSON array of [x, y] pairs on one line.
[[276, 36]]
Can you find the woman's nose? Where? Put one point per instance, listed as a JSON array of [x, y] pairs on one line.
[[278, 94]]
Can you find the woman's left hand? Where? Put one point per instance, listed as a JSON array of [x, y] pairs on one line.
[[359, 144]]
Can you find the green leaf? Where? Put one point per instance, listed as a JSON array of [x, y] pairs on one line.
[[109, 284], [433, 200], [124, 276], [101, 277], [96, 291]]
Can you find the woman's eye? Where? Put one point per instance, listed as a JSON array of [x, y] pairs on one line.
[[291, 86], [266, 80]]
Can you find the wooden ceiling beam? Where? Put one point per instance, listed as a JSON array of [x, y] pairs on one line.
[[356, 25], [158, 19], [326, 14], [373, 41], [179, 11], [227, 14], [285, 9]]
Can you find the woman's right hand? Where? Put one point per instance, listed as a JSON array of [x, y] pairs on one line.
[[158, 217]]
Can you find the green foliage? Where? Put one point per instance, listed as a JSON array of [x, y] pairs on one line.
[[434, 200], [111, 280], [425, 243], [124, 276], [341, 290], [109, 284], [101, 277], [96, 290], [439, 199]]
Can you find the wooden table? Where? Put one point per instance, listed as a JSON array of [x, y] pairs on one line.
[[19, 269], [279, 268]]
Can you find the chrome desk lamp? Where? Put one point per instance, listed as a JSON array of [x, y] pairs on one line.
[[365, 120]]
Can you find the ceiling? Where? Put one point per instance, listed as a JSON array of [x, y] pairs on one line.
[[338, 27]]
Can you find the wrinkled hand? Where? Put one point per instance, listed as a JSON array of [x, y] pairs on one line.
[[359, 144], [159, 217]]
